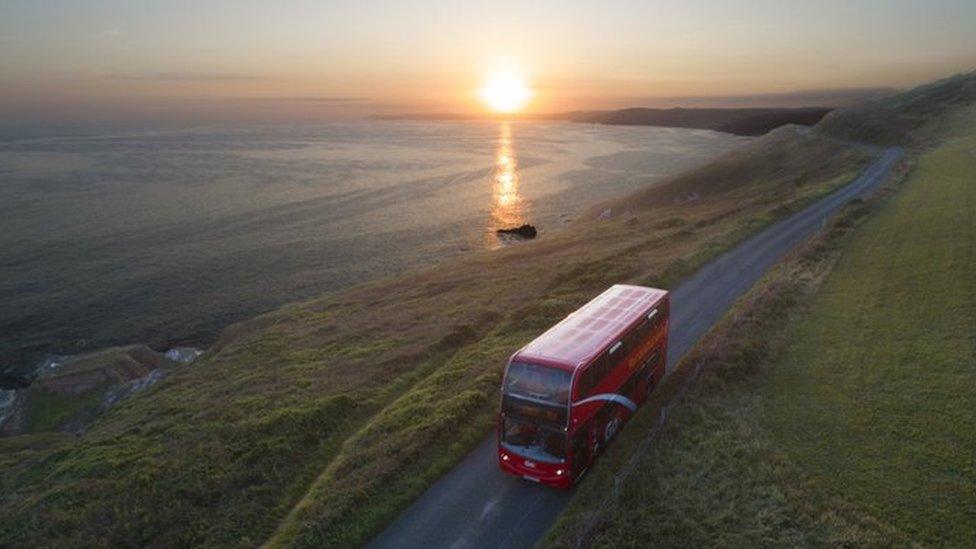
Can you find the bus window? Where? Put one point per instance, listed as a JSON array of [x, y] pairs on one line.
[[654, 359], [633, 338], [539, 382], [534, 440]]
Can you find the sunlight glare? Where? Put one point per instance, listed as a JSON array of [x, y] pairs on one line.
[[505, 93]]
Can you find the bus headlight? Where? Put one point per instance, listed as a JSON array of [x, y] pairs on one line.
[[504, 457], [560, 472]]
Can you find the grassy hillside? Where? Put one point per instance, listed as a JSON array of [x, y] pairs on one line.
[[895, 120], [875, 399], [755, 121], [710, 474], [315, 424], [835, 404], [779, 159]]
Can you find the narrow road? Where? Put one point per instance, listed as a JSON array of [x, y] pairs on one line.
[[476, 505]]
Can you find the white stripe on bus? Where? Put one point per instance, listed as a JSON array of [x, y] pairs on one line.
[[610, 397]]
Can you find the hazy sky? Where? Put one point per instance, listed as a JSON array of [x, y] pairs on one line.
[[284, 59]]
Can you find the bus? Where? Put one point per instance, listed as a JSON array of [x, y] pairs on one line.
[[569, 391]]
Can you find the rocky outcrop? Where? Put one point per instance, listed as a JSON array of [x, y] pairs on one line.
[[132, 388], [524, 231], [114, 366], [183, 355], [79, 388]]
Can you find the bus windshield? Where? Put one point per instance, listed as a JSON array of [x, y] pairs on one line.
[[538, 382], [532, 440]]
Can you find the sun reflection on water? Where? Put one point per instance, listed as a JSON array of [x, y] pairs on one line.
[[508, 209]]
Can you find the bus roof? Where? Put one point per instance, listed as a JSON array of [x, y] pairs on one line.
[[585, 332]]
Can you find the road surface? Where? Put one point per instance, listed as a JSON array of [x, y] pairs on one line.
[[476, 505]]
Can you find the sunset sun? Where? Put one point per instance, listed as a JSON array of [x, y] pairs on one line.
[[505, 93]]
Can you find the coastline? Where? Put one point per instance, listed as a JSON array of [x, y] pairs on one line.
[[340, 378], [298, 216]]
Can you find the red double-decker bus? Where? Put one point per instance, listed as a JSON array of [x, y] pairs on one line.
[[567, 393]]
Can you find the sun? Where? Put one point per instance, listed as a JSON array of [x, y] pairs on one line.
[[505, 92]]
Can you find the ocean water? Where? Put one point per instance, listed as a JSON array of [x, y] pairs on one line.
[[166, 236]]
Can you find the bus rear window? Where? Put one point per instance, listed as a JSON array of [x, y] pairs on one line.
[[538, 382]]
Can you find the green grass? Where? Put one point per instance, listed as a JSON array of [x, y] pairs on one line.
[[49, 410], [836, 401], [876, 400], [316, 424], [711, 476]]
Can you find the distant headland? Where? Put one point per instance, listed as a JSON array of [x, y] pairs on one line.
[[738, 121]]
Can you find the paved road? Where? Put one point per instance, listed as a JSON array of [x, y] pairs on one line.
[[476, 505]]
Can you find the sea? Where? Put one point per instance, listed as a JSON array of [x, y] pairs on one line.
[[164, 236]]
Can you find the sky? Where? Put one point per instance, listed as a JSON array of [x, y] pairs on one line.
[[299, 60]]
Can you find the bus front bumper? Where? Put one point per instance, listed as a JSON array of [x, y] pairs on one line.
[[555, 475]]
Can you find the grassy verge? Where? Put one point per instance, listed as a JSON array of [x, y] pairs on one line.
[[710, 476], [316, 424], [835, 404], [875, 401]]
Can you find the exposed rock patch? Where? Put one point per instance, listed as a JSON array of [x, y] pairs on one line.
[[70, 392], [183, 355], [132, 388]]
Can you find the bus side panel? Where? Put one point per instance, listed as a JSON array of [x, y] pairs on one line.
[[597, 423]]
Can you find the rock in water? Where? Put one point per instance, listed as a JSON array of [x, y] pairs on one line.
[[524, 231]]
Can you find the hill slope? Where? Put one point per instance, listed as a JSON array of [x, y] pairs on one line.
[[895, 120], [318, 422], [836, 403], [756, 121], [874, 399]]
